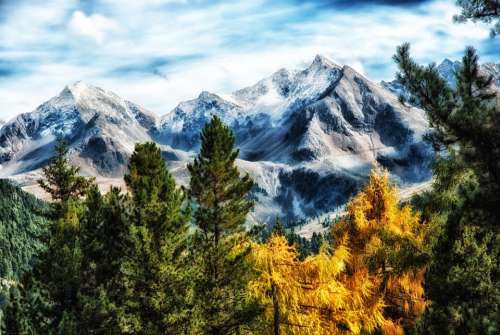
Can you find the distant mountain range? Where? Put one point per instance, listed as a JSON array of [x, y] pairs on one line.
[[308, 137]]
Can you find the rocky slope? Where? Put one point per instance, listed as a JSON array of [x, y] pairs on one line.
[[308, 137]]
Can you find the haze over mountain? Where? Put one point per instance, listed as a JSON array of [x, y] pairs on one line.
[[308, 137]]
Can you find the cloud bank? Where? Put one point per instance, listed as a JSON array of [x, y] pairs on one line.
[[160, 52]]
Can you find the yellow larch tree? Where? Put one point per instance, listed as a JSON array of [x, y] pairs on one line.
[[387, 243], [372, 280], [308, 297]]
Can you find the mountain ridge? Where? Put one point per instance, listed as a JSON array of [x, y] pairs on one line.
[[308, 137]]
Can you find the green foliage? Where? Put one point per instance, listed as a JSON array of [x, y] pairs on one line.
[[153, 275], [22, 227], [114, 264], [305, 247], [50, 291], [220, 243], [104, 231], [487, 11], [62, 180], [463, 278]]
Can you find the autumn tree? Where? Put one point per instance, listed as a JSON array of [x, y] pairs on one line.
[[387, 244], [220, 244], [312, 296]]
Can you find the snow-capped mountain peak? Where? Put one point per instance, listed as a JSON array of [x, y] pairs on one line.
[[448, 69], [308, 137], [99, 126], [321, 61]]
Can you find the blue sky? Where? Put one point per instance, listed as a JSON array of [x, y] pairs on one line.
[[160, 52]]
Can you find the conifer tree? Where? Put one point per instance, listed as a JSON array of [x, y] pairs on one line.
[[104, 231], [154, 274], [62, 180], [15, 322], [57, 274], [50, 293], [220, 243], [312, 296], [462, 281], [387, 244], [372, 280], [487, 11]]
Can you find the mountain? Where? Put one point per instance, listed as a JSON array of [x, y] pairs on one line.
[[447, 70], [308, 137], [100, 128], [492, 69]]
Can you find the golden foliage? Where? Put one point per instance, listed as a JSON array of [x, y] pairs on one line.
[[309, 297], [372, 280], [387, 244]]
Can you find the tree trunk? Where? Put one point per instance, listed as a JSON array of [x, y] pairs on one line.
[[276, 308]]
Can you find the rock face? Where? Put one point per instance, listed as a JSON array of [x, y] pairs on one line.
[[309, 138]]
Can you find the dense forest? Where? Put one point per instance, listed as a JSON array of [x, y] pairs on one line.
[[158, 258], [23, 227]]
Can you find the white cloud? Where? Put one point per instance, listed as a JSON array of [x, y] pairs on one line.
[[235, 43], [95, 26]]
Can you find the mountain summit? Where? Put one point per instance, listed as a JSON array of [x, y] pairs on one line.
[[308, 137], [100, 127]]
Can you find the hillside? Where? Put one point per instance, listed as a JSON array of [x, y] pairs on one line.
[[22, 225]]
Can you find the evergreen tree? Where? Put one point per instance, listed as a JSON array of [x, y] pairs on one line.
[[220, 243], [58, 272], [15, 322], [278, 228], [463, 279], [62, 180], [54, 283], [104, 232], [154, 273], [316, 242], [487, 11], [23, 229]]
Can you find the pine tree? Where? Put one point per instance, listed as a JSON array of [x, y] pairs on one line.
[[54, 282], [104, 230], [487, 11], [154, 274], [462, 281], [58, 272], [62, 180], [220, 243], [15, 322]]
